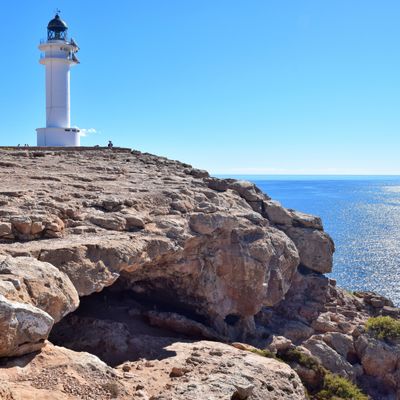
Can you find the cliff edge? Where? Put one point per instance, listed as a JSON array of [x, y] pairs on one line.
[[142, 260]]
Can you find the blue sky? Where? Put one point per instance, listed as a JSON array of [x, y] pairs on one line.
[[255, 86]]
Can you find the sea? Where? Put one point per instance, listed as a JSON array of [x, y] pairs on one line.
[[360, 213]]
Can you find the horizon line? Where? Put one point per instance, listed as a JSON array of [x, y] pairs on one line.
[[307, 174], [396, 175]]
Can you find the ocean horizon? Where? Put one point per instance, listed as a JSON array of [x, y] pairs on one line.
[[362, 215]]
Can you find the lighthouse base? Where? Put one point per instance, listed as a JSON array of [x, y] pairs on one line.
[[58, 137]]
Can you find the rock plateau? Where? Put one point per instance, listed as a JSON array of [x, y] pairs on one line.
[[141, 261]]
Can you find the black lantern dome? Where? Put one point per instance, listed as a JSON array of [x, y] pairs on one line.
[[57, 29]]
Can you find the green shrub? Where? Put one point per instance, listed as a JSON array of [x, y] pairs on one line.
[[264, 353], [383, 328], [294, 355], [330, 387], [338, 388]]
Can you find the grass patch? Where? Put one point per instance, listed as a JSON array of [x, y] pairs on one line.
[[384, 328], [338, 388]]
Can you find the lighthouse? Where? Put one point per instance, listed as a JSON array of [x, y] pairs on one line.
[[58, 55]]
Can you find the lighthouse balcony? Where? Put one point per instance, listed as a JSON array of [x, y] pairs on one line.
[[54, 45], [69, 58]]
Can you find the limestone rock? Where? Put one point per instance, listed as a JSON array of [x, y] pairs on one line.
[[315, 248], [206, 224], [25, 279], [134, 221], [379, 359], [23, 328], [304, 220], [329, 358], [280, 215], [296, 331], [324, 323], [217, 251], [90, 267], [62, 374], [199, 369], [276, 213], [218, 371], [278, 344], [220, 185], [156, 225], [109, 222], [181, 324], [246, 189], [341, 343], [22, 224], [5, 229]]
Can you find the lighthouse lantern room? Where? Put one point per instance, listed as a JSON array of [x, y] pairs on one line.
[[58, 55]]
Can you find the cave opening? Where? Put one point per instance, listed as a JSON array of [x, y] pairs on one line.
[[159, 294], [116, 325], [232, 319]]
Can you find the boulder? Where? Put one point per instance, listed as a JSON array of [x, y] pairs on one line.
[[23, 328], [109, 222], [296, 331], [134, 221], [329, 358], [341, 343], [22, 224], [324, 323], [25, 279], [379, 359], [5, 229], [278, 344], [276, 213], [304, 220], [315, 248], [246, 189], [220, 185]]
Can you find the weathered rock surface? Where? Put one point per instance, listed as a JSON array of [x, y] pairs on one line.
[[27, 280], [62, 374], [155, 224], [315, 248], [213, 370], [23, 327], [193, 371], [33, 296], [380, 360], [329, 323], [329, 358], [210, 257]]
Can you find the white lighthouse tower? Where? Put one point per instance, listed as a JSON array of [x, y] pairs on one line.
[[58, 55]]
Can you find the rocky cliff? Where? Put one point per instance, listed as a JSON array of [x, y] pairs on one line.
[[138, 259]]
